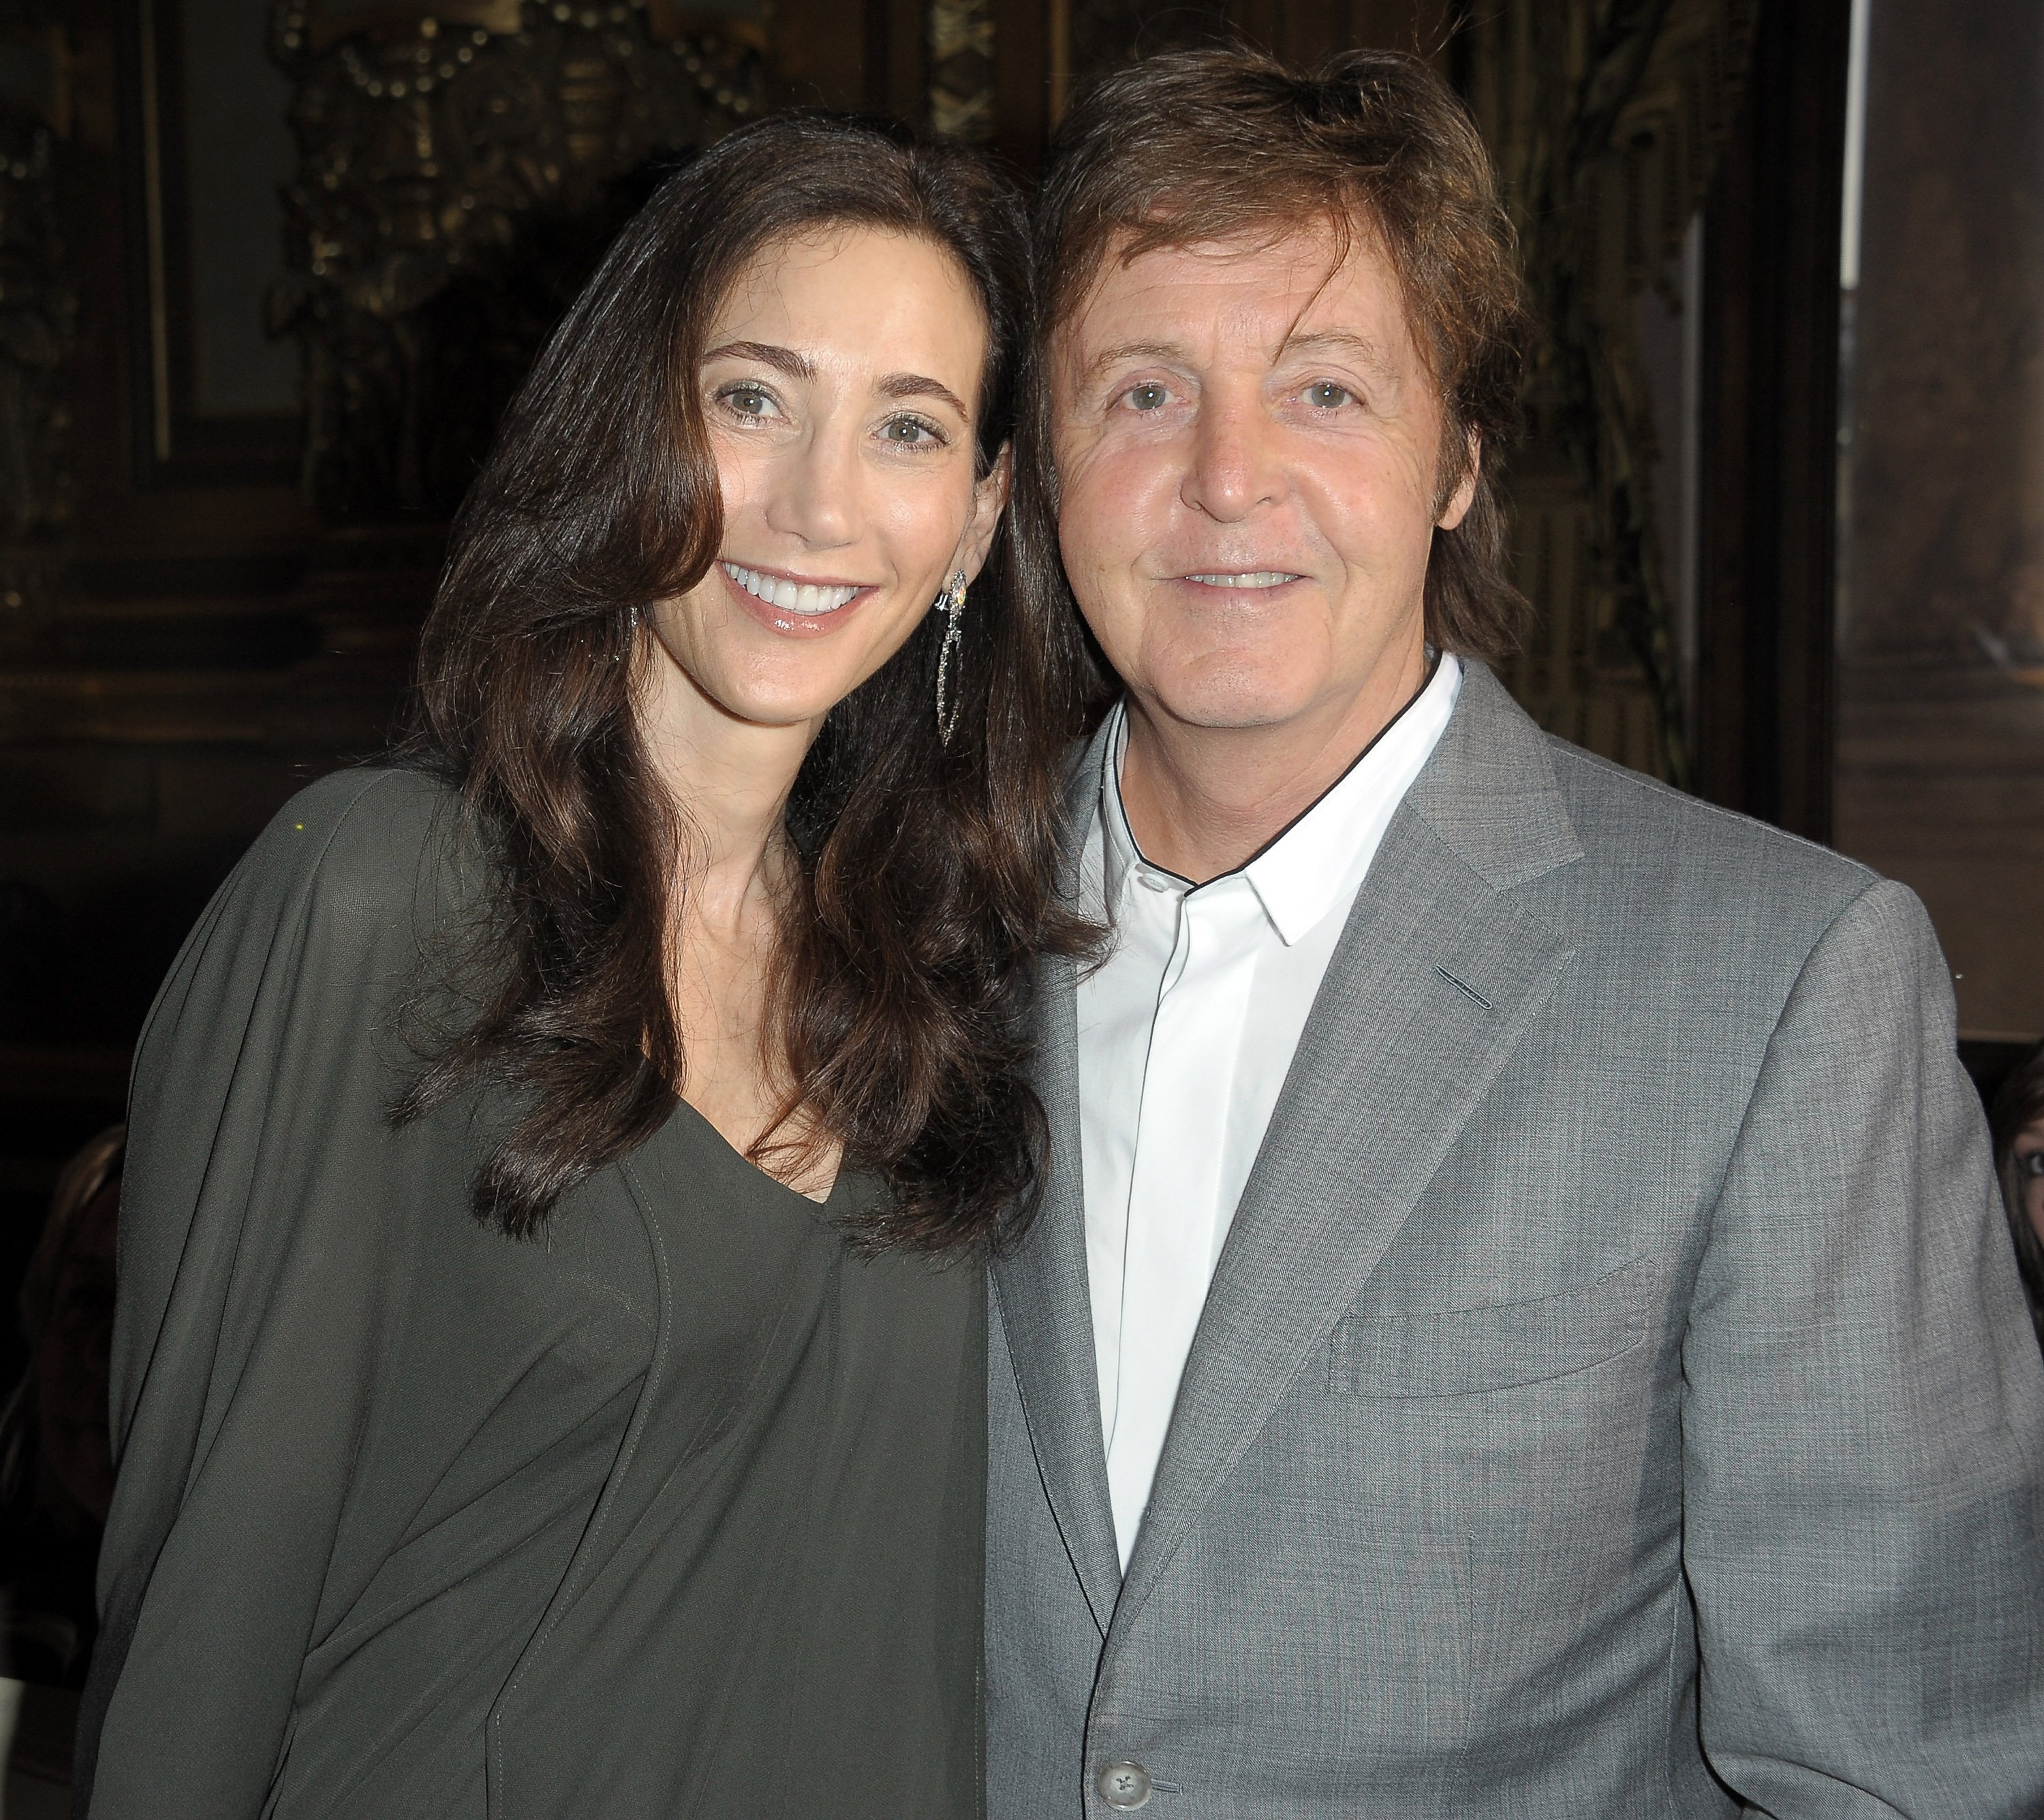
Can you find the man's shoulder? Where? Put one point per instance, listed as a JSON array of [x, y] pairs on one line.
[[1620, 860], [1632, 824]]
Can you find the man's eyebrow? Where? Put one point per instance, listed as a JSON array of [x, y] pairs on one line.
[[1358, 348], [1108, 358], [921, 386], [797, 366]]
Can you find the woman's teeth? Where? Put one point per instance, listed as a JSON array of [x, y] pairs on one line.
[[1258, 578], [789, 596]]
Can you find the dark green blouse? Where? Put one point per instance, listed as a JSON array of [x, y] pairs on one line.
[[676, 1511]]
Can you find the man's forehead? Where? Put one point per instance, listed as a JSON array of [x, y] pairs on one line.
[[1300, 287]]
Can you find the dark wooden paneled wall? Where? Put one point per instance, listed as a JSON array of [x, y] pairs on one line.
[[1768, 587]]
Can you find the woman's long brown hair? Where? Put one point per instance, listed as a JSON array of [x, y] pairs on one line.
[[902, 976]]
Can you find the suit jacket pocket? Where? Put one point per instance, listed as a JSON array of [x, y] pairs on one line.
[[1463, 1352]]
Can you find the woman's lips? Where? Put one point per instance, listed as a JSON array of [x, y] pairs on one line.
[[788, 606]]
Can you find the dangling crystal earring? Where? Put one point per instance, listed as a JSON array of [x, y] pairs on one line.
[[952, 600], [630, 634]]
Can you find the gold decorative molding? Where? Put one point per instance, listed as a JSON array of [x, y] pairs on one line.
[[961, 68], [327, 23]]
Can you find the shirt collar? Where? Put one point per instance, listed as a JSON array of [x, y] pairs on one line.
[[1119, 853], [1317, 861]]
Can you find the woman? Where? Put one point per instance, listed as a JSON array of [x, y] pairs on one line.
[[2017, 1123], [548, 1376]]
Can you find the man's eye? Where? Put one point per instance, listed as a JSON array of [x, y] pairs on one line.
[[1328, 396], [1149, 396]]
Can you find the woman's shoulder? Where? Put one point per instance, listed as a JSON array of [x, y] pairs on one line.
[[369, 850], [366, 818]]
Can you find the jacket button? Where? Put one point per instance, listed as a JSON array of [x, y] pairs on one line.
[[1124, 1785]]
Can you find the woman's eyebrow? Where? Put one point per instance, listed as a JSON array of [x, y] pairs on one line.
[[795, 365], [921, 386]]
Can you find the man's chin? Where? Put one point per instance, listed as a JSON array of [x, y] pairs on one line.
[[1222, 709]]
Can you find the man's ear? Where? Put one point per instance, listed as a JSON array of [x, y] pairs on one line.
[[989, 500], [1459, 501]]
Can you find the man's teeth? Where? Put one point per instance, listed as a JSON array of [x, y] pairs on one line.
[[789, 596], [1257, 578]]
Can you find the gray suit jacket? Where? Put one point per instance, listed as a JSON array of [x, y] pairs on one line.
[[1615, 1398]]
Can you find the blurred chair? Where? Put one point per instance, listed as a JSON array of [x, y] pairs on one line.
[[56, 1479]]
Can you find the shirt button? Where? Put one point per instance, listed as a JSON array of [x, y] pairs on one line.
[[1154, 881], [1124, 1785]]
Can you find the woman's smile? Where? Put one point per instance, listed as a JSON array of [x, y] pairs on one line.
[[798, 607]]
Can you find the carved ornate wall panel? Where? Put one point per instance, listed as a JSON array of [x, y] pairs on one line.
[[39, 306], [1604, 117], [961, 50], [462, 169]]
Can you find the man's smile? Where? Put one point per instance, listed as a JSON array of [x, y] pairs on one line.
[[1252, 578]]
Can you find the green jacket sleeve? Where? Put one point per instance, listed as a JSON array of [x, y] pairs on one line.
[[263, 1264]]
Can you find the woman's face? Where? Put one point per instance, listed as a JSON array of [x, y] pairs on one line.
[[838, 384], [2029, 1153]]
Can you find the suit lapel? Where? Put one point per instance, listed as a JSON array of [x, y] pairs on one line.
[[1436, 977], [1041, 1287]]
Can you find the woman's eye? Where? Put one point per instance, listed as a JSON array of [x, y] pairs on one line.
[[911, 433], [1326, 395], [2030, 1163], [748, 401], [1149, 396]]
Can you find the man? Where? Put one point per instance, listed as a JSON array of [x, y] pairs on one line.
[[1517, 1321]]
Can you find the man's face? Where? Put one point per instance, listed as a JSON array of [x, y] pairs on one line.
[[2029, 1150], [1248, 445]]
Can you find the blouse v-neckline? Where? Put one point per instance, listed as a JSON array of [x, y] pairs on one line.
[[707, 1135]]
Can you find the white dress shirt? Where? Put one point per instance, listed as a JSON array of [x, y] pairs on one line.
[[1186, 1033]]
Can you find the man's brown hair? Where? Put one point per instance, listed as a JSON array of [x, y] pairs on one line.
[[1204, 145]]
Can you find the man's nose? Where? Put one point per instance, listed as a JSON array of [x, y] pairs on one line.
[[815, 493], [1234, 467]]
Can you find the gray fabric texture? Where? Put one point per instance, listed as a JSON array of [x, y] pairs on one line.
[[673, 1511], [1615, 1398]]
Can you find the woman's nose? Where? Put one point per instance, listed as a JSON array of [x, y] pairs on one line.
[[815, 491]]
